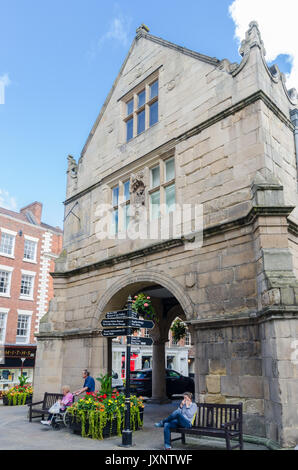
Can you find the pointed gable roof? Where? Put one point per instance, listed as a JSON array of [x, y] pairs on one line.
[[143, 32]]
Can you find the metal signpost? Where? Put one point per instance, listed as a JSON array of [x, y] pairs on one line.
[[141, 341], [122, 323]]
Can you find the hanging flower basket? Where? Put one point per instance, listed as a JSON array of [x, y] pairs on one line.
[[178, 329], [99, 416], [18, 395], [143, 306]]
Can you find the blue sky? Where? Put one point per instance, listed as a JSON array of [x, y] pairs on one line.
[[60, 59]]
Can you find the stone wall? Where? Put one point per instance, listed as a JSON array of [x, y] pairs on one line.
[[230, 371], [280, 371]]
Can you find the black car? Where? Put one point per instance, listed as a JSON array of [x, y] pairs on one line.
[[176, 384]]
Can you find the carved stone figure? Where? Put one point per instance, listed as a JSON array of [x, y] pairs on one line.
[[138, 189]]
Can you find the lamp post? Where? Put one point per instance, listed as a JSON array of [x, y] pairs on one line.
[[23, 359]]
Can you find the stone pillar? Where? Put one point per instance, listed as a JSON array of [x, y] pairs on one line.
[[280, 364], [48, 367], [277, 308], [158, 373]]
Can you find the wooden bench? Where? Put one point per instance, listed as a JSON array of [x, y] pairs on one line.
[[216, 421], [42, 407]]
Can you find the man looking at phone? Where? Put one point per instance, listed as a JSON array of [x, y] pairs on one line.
[[180, 418]]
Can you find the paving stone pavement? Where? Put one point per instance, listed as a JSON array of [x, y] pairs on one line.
[[16, 433]]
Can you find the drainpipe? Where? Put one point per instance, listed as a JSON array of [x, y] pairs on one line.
[[294, 119]]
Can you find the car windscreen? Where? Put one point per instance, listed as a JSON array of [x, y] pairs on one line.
[[140, 375]]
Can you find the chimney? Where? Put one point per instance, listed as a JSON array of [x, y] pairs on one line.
[[35, 209]]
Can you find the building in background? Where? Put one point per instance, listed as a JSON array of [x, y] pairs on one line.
[[179, 356], [28, 248]]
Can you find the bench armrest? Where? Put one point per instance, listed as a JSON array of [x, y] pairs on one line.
[[36, 403], [231, 423]]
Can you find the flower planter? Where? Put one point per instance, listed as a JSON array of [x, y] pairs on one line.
[[110, 429], [6, 401]]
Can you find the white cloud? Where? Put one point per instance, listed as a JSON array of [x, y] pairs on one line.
[[118, 31], [7, 201], [278, 26], [4, 81], [118, 34]]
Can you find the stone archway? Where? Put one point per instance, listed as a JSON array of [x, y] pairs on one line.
[[126, 282], [115, 298]]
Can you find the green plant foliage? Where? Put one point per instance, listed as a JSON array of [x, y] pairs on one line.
[[178, 329], [23, 380], [105, 384], [100, 410], [18, 395], [143, 306]]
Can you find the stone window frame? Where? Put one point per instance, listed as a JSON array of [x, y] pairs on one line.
[[28, 315], [163, 182], [115, 208], [122, 204], [137, 110], [12, 234]]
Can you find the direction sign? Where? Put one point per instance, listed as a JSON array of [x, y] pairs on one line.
[[141, 341], [121, 314], [142, 324], [117, 332], [116, 322]]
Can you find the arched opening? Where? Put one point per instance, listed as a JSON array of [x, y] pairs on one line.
[[167, 306]]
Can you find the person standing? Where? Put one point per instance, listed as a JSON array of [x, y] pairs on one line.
[[180, 418], [89, 383]]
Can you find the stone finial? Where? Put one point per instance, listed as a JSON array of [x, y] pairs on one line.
[[142, 28], [252, 38], [72, 166]]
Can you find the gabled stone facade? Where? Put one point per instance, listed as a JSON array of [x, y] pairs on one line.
[[231, 131]]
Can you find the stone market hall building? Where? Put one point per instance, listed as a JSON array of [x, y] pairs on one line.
[[178, 128]]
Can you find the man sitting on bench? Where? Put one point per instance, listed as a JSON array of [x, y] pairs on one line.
[[180, 418]]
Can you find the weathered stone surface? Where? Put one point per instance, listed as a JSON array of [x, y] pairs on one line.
[[217, 367], [251, 387], [254, 407], [254, 425], [216, 399], [230, 386], [277, 260], [213, 383]]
